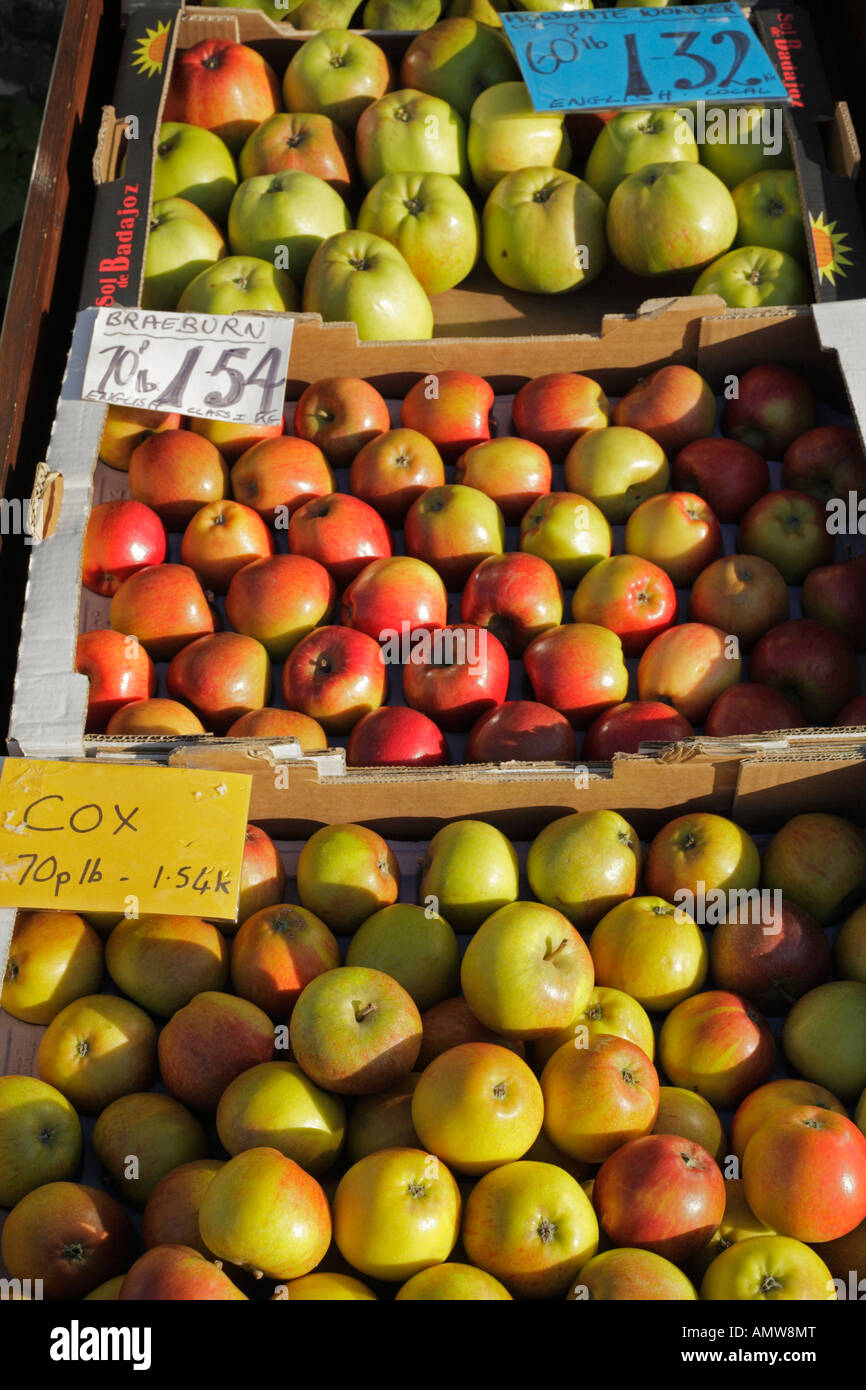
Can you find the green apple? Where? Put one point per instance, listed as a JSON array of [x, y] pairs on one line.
[[417, 949], [543, 231], [585, 864], [755, 277], [769, 213], [401, 14], [336, 73], [284, 218], [470, 869], [552, 6], [824, 1037], [271, 8], [408, 132], [617, 468], [182, 243], [275, 1106], [139, 1138], [345, 874], [318, 15], [360, 278], [507, 133], [40, 1137], [670, 216], [431, 221], [195, 164], [569, 532], [237, 284], [633, 139], [482, 10], [457, 60], [738, 142]]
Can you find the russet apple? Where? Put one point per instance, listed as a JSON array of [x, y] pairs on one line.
[[569, 532], [40, 1137], [717, 1044], [275, 1105], [162, 962], [222, 676], [584, 864], [157, 1131], [674, 406], [678, 531], [554, 410], [476, 1107], [121, 538], [396, 736], [335, 675], [727, 474], [345, 873], [176, 472], [145, 718], [177, 1273], [265, 1214], [226, 87], [209, 1042], [617, 468], [577, 669], [651, 951], [750, 709], [813, 664], [598, 1097], [772, 407], [98, 1048], [660, 1193], [452, 409], [119, 671], [470, 869], [54, 958], [744, 595], [689, 665], [276, 952], [413, 946], [284, 472], [165, 607], [342, 533], [628, 594], [623, 728], [355, 1030], [520, 731], [390, 471], [278, 599], [70, 1237]]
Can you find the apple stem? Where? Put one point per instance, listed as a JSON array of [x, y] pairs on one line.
[[361, 1014], [552, 954]]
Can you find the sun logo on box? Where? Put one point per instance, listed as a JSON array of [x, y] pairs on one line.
[[150, 50], [830, 248]]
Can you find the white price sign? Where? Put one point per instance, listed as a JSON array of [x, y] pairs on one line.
[[218, 366]]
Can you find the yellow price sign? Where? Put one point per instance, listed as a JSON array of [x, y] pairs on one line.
[[101, 837]]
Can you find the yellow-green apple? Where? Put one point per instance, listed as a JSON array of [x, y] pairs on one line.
[[125, 428], [670, 216], [675, 405], [164, 607], [396, 736], [650, 950], [628, 594], [687, 1114], [660, 1193], [431, 221], [556, 409], [836, 595], [543, 231], [355, 1030], [209, 1042], [526, 972], [182, 243], [279, 599], [383, 1121], [276, 952], [163, 962], [453, 1282], [177, 1273], [771, 1099], [336, 74], [226, 87], [220, 539], [416, 948], [341, 414], [483, 10], [98, 1048], [514, 596], [734, 150], [772, 407], [176, 472], [514, 472], [457, 683], [170, 1216], [263, 1212], [263, 877], [274, 1105], [452, 409], [321, 1286], [789, 529], [397, 14], [121, 538], [607, 1013], [453, 528], [280, 724], [195, 164], [146, 717], [769, 213], [506, 133], [389, 472], [767, 1268], [230, 437], [140, 1138], [804, 1174], [284, 218], [598, 1096], [584, 864], [221, 676], [40, 1137], [753, 277], [633, 1275], [739, 1223], [569, 532], [396, 1213], [363, 279], [391, 592], [849, 949], [689, 665], [617, 468], [825, 462], [727, 474], [306, 141], [54, 958], [335, 675], [531, 1226], [237, 285], [457, 59], [743, 595], [119, 671], [451, 1023], [819, 862], [520, 731], [750, 709], [824, 1037], [410, 132], [109, 1291], [813, 664], [470, 869], [623, 728], [633, 139], [345, 873], [700, 852], [772, 961], [476, 1107], [69, 1237], [718, 1044], [577, 669]]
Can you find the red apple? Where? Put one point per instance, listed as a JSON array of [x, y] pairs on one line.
[[728, 475], [395, 736], [555, 410], [222, 676], [121, 538], [521, 731], [631, 596], [145, 718], [853, 715], [278, 949], [772, 407], [678, 531], [454, 528], [279, 599], [119, 670], [825, 462], [165, 607], [750, 709], [719, 1044], [226, 87], [515, 596], [451, 408], [674, 405], [341, 414], [689, 665], [836, 595], [280, 724], [577, 669], [514, 472], [300, 140], [790, 530], [335, 675], [176, 472], [342, 533], [282, 472], [742, 594], [772, 961], [263, 878], [220, 539], [392, 592], [804, 1174], [625, 727], [811, 663], [660, 1193], [393, 469], [126, 428], [464, 672]]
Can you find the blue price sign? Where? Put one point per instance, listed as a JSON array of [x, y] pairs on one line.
[[585, 60]]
